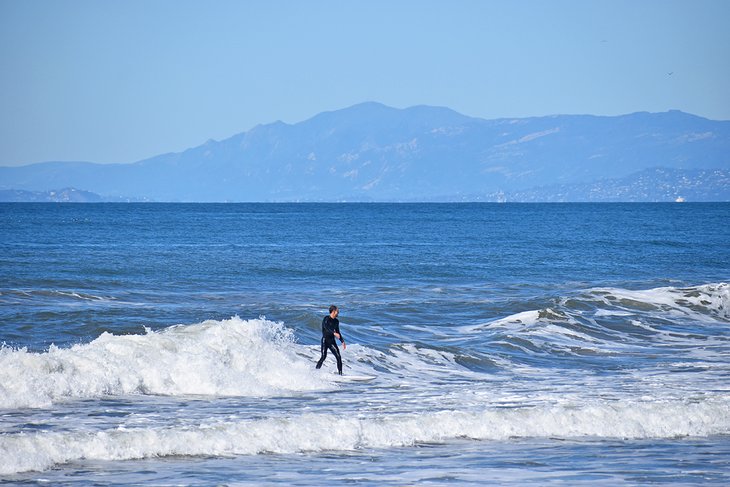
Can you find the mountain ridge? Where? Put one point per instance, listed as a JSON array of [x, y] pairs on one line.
[[373, 152]]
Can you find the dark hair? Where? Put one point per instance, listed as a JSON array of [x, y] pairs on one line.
[[333, 308]]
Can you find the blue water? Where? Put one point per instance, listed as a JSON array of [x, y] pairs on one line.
[[510, 343]]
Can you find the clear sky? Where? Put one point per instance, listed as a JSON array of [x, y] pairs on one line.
[[119, 81]]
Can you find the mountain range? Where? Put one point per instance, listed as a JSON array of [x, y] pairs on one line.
[[372, 152]]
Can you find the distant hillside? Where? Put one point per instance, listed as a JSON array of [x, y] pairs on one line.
[[371, 152], [656, 184], [66, 195]]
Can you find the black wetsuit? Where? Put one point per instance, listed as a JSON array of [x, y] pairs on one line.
[[330, 326]]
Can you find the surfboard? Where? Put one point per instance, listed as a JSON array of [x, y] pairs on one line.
[[353, 378]]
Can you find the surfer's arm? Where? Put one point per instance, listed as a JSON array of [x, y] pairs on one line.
[[341, 339], [339, 336]]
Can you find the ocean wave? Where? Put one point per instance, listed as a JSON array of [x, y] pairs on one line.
[[612, 320], [228, 358], [258, 357], [47, 294], [231, 357], [311, 432], [708, 301]]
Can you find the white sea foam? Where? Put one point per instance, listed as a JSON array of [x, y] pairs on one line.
[[22, 452], [515, 321], [703, 302], [231, 357], [606, 312]]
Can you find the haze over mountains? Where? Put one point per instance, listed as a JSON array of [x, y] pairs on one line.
[[371, 152]]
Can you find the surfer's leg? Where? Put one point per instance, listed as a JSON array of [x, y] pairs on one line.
[[324, 354], [336, 353]]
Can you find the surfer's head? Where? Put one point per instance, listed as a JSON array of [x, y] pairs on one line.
[[334, 311]]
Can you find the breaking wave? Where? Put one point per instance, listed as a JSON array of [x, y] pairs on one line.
[[231, 357], [624, 420]]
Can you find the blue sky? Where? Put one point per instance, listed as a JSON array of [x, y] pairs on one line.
[[119, 81]]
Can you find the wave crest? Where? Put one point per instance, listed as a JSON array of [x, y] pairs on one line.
[[231, 357]]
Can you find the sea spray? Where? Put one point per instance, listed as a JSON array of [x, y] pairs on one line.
[[231, 357]]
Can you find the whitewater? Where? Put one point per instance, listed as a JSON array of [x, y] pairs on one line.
[[185, 355]]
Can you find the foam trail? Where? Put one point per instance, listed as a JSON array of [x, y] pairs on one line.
[[232, 357], [22, 452]]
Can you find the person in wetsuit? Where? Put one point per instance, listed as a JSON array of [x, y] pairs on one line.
[[330, 332]]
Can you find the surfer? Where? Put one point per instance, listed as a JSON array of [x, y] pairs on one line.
[[330, 332]]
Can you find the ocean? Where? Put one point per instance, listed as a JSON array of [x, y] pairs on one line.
[[511, 344]]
